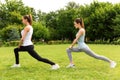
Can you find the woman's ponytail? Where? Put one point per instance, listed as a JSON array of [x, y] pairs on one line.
[[30, 17], [82, 23]]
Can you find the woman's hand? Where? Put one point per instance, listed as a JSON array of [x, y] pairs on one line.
[[70, 46], [18, 46], [20, 43]]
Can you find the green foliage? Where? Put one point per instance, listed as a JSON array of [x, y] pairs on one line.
[[61, 22], [10, 43], [101, 20], [40, 32], [116, 26], [12, 11], [1, 43], [15, 17], [10, 33], [116, 41], [51, 24], [41, 17], [59, 42], [65, 25]]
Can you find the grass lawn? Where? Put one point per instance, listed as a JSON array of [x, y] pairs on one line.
[[87, 68]]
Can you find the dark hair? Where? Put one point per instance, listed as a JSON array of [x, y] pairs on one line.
[[80, 20], [29, 18]]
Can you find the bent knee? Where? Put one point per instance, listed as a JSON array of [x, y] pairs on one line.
[[68, 50], [16, 50]]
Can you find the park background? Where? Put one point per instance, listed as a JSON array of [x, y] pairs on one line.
[[102, 24], [101, 19]]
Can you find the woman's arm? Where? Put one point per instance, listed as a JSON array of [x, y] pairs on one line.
[[26, 30], [77, 37]]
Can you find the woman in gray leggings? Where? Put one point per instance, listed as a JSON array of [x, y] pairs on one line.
[[82, 47]]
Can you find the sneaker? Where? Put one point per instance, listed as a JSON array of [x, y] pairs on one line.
[[15, 66], [55, 67], [71, 66], [113, 64]]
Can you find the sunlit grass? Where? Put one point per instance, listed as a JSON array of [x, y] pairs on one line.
[[87, 68]]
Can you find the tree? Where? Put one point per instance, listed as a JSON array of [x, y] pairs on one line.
[[51, 24], [116, 26], [40, 31], [98, 17], [61, 22], [65, 25], [41, 16], [10, 33], [72, 5], [12, 11]]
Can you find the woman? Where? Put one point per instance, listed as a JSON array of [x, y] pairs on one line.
[[82, 47], [27, 45]]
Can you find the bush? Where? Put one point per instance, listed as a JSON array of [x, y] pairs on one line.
[[1, 43], [59, 42], [11, 43], [53, 34], [10, 33], [40, 32], [100, 42], [116, 41]]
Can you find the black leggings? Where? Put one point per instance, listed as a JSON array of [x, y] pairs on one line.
[[31, 51]]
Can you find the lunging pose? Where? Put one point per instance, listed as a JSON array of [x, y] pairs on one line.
[[27, 45], [82, 47]]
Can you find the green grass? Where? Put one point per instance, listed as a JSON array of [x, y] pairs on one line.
[[87, 68]]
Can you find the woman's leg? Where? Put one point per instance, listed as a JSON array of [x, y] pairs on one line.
[[16, 50], [34, 54], [89, 52], [69, 53]]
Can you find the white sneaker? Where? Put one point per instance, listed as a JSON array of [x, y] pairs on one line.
[[15, 66], [71, 66], [55, 67], [113, 64]]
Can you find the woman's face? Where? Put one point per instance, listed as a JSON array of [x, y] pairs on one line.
[[24, 21], [76, 25]]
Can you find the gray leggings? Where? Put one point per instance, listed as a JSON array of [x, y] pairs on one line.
[[88, 51]]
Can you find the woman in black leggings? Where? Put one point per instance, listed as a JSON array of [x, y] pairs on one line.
[[27, 45]]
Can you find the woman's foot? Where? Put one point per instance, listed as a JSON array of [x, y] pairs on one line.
[[71, 66], [113, 64], [55, 67], [15, 66]]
